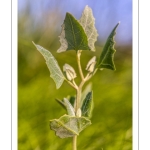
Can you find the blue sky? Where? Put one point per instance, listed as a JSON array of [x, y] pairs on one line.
[[106, 12]]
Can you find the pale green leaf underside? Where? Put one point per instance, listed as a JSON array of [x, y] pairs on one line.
[[87, 21], [73, 36], [69, 126], [107, 56], [87, 106], [55, 71], [63, 41], [68, 105]]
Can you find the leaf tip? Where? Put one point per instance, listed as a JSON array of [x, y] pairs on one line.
[[114, 68], [117, 25], [33, 43], [68, 14], [57, 87], [87, 7]]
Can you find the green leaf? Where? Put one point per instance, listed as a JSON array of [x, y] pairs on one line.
[[55, 71], [69, 126], [87, 21], [61, 103], [87, 105], [72, 100], [69, 107], [73, 36], [107, 56], [65, 103]]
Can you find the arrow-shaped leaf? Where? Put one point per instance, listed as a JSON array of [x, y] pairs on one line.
[[55, 71], [73, 36], [87, 105], [69, 126], [107, 56], [87, 21]]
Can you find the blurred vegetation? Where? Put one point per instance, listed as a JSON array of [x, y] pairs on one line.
[[111, 127]]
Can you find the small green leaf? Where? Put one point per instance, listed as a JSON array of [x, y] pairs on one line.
[[69, 126], [72, 100], [73, 36], [87, 21], [87, 105], [69, 107], [61, 103], [55, 71], [65, 103], [107, 56]]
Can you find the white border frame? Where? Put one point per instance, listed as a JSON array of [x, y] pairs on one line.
[[14, 75], [5, 75], [144, 75]]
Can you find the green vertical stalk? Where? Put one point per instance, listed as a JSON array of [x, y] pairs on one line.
[[78, 94], [77, 105], [79, 64], [78, 97], [74, 143]]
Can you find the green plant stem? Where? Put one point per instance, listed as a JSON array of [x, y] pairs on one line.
[[79, 64], [78, 94], [78, 91], [74, 144], [76, 87], [72, 84], [77, 106]]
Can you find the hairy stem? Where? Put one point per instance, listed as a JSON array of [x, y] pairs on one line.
[[74, 143], [79, 64], [78, 97], [78, 91], [78, 94], [75, 84], [72, 84], [77, 106]]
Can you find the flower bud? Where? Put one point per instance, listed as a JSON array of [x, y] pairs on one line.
[[69, 71], [91, 64], [78, 114]]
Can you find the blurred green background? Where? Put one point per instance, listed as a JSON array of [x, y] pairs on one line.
[[40, 21]]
